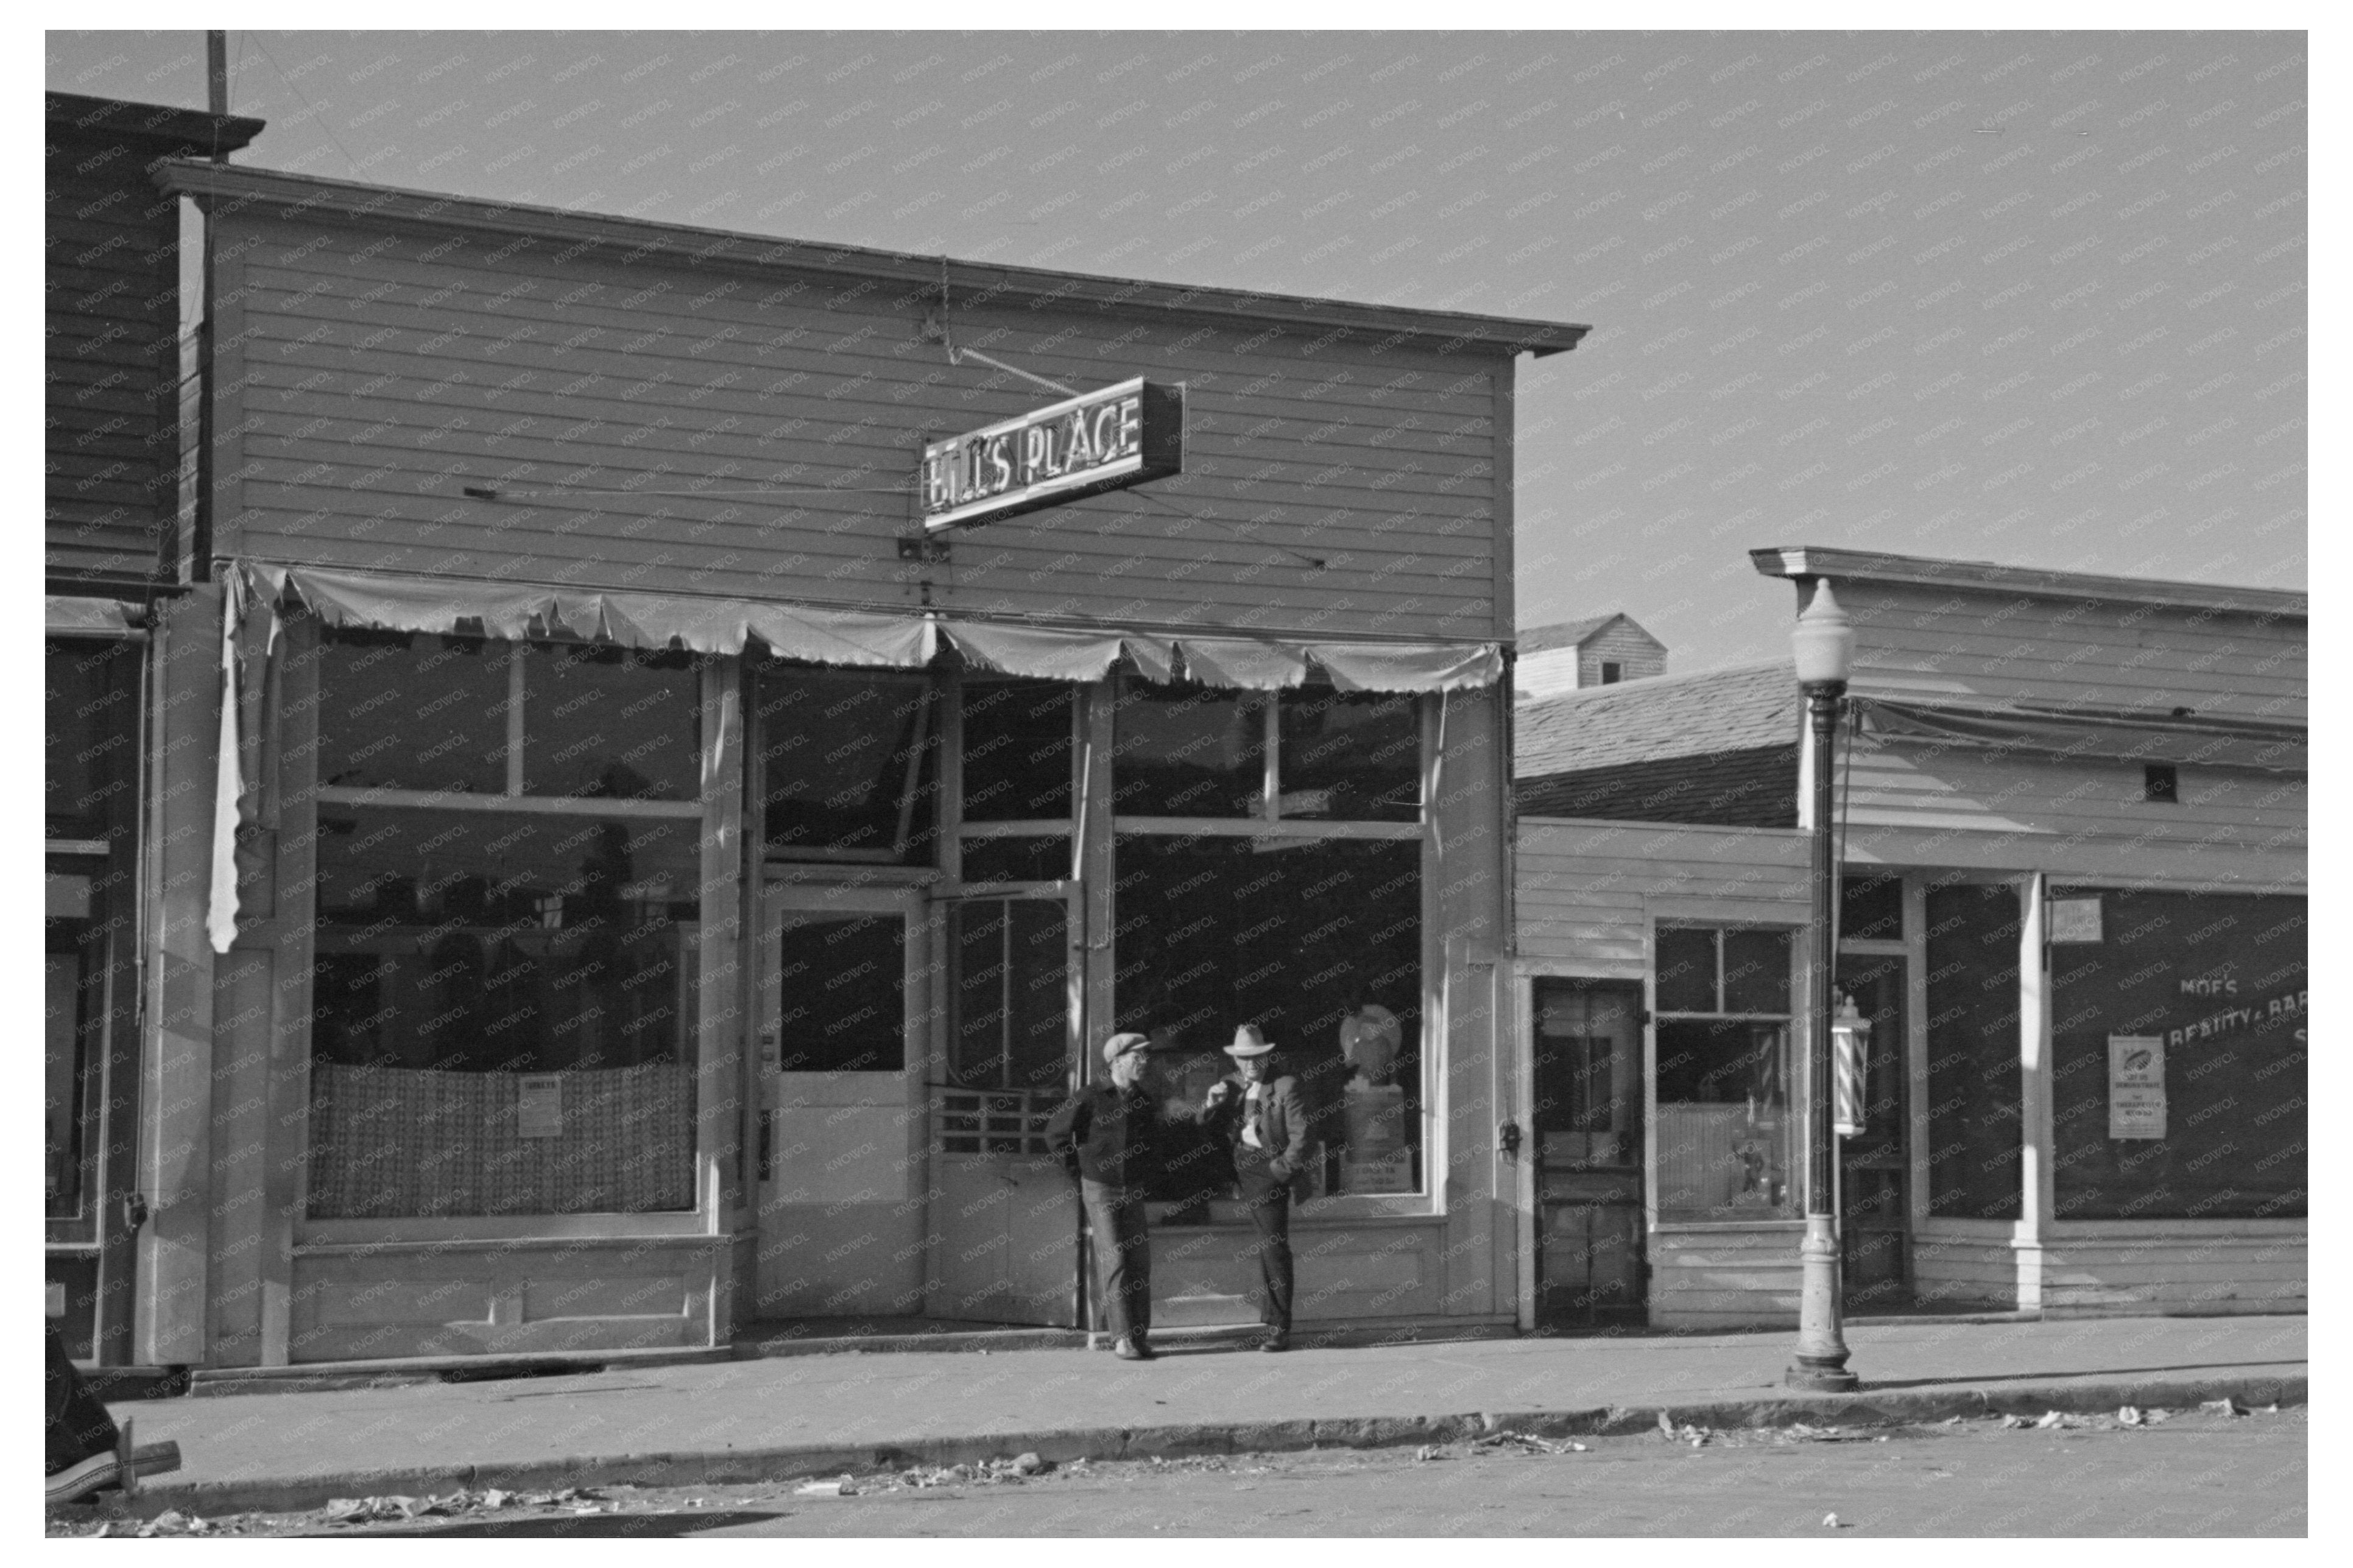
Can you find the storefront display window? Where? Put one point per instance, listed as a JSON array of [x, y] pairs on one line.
[[610, 723], [1188, 750], [1975, 1127], [502, 993], [850, 761], [1016, 750], [2178, 1057], [1725, 1140], [1353, 755], [1317, 942]]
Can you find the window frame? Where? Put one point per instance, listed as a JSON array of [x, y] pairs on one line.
[[719, 1191], [1428, 1201], [513, 798], [1660, 1219]]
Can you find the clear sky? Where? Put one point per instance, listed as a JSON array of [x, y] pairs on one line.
[[2032, 297]]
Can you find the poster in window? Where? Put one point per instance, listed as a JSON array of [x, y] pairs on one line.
[[2135, 1086], [539, 1105], [2074, 920]]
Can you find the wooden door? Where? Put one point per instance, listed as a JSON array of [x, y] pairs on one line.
[[1005, 1215], [1587, 1139], [1874, 1165], [844, 990]]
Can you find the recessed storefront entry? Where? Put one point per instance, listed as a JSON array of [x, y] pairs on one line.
[[1004, 1215]]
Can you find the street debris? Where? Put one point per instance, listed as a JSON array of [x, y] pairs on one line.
[[988, 1473], [2054, 1419], [1698, 1436], [370, 1510], [1525, 1442], [2225, 1406], [1833, 1520], [1425, 1453], [2128, 1415]]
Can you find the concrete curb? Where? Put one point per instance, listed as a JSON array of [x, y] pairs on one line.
[[1864, 1408]]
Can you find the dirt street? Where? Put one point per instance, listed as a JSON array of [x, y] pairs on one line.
[[2179, 1473]]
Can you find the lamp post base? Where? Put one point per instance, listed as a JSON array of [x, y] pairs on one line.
[[1820, 1364]]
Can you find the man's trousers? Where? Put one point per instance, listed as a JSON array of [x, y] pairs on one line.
[[1269, 1202], [1123, 1257]]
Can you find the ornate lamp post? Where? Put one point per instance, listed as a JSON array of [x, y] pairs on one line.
[[1824, 645]]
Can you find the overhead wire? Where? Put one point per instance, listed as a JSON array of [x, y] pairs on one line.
[[315, 112]]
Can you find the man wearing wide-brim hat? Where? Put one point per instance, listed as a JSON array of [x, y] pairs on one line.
[[1268, 1127], [1109, 1136]]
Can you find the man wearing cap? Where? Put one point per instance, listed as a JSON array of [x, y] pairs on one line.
[[1108, 1136], [1268, 1127]]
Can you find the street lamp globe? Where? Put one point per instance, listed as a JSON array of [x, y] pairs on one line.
[[1823, 641]]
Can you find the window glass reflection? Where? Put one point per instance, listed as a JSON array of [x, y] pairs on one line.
[[1188, 751], [421, 713], [610, 723], [1352, 755], [850, 762]]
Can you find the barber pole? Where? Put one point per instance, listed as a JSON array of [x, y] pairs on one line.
[[1850, 1047]]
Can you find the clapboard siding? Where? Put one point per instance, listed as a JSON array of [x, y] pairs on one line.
[[1907, 785], [1621, 643], [1964, 1271], [1587, 891], [1924, 642], [111, 245], [2089, 1271], [378, 373], [1724, 1278]]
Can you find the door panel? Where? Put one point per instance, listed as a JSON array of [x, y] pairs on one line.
[[843, 989], [1587, 1129], [1874, 1165], [1005, 1217]]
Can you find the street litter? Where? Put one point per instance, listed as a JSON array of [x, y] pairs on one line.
[[2054, 1419], [2128, 1415], [844, 1487], [1832, 1519], [1526, 1442], [2223, 1406], [991, 1472], [366, 1509], [1425, 1453]]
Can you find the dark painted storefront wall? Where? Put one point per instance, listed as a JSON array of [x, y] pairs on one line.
[[2223, 981], [1975, 1123]]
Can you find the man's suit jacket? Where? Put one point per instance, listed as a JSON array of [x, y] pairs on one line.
[[1287, 1130]]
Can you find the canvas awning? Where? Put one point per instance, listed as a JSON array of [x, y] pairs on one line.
[[905, 640], [634, 620], [2112, 735]]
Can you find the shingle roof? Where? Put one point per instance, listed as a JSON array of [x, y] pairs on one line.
[[1743, 707]]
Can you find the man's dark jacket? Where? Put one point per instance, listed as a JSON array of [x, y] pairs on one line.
[[1287, 1130], [1109, 1134]]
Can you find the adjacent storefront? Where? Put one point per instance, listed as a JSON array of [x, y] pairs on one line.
[[710, 764], [2072, 951]]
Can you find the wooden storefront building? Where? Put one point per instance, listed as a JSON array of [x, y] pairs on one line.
[[661, 884], [2072, 820]]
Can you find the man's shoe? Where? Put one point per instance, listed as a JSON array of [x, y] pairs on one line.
[[75, 1481], [1131, 1350], [1278, 1341]]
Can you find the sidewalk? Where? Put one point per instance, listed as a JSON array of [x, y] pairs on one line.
[[825, 1413]]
